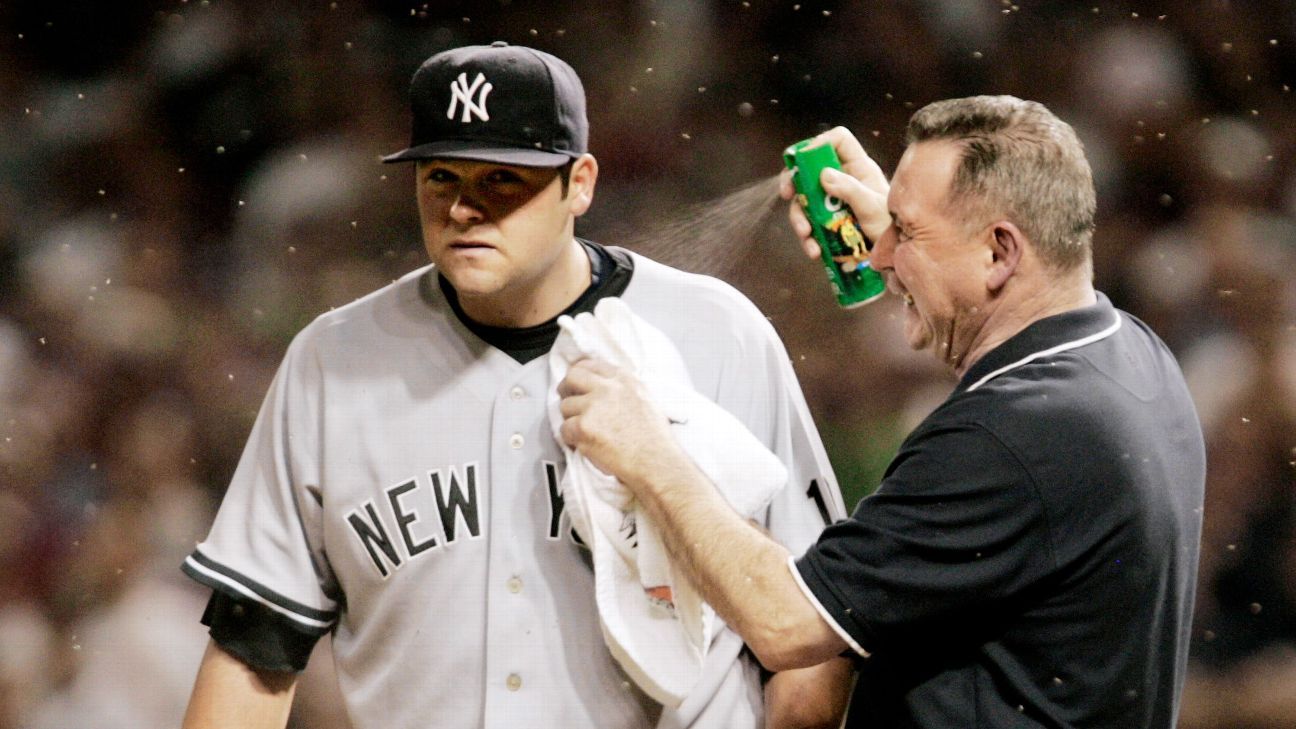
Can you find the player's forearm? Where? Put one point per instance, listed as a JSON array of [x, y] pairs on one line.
[[739, 570], [228, 693], [809, 698]]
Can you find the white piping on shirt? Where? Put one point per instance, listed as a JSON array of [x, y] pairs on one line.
[[823, 611], [243, 590], [1051, 350]]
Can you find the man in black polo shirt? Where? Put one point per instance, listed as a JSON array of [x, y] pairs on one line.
[[1030, 556]]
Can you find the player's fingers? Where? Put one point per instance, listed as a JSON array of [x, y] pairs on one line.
[[869, 206]]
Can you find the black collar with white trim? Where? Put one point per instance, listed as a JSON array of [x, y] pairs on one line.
[[1043, 338]]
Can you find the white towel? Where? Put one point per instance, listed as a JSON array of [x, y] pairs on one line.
[[654, 622]]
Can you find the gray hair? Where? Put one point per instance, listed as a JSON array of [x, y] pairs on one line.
[[1019, 161]]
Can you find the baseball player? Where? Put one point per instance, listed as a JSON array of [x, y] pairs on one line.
[[400, 488]]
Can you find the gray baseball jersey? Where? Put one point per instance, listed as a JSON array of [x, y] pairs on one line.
[[400, 489]]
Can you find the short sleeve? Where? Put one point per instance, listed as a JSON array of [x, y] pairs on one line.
[[767, 397], [264, 546], [257, 635], [952, 537]]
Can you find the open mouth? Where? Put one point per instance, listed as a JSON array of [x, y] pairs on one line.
[[895, 288]]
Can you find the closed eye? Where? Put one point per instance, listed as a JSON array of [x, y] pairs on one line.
[[902, 234]]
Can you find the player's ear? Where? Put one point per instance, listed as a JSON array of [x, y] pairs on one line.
[[580, 189], [1007, 244]]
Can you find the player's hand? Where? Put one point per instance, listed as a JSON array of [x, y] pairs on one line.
[[609, 419], [861, 185]]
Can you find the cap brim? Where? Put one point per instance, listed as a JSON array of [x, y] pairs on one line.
[[504, 155]]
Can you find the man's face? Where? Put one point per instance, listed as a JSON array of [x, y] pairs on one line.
[[491, 228], [931, 258]]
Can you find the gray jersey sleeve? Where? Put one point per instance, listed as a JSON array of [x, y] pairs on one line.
[[737, 359], [265, 543], [770, 400]]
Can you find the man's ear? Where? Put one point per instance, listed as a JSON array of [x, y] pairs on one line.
[[580, 189], [1007, 245]]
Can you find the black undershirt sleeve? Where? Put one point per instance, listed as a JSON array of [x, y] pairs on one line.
[[257, 635]]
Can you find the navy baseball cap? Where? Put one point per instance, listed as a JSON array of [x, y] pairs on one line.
[[498, 103]]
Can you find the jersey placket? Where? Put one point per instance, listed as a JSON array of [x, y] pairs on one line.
[[515, 665]]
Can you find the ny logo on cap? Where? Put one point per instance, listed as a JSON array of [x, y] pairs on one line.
[[460, 90]]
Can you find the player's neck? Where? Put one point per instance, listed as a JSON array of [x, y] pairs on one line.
[[529, 303]]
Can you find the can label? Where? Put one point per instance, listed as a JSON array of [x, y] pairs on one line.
[[843, 248]]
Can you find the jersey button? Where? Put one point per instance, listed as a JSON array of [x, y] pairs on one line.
[[514, 682], [517, 441], [514, 584], [517, 393]]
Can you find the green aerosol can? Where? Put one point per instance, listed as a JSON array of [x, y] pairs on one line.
[[834, 225]]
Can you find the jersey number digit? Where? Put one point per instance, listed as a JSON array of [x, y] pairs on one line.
[[816, 493]]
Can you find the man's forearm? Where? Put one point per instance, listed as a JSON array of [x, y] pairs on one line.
[[229, 693], [739, 570]]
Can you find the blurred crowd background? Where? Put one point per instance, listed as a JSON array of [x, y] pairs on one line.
[[184, 184]]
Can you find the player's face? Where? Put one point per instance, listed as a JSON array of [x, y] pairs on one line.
[[929, 257], [497, 231]]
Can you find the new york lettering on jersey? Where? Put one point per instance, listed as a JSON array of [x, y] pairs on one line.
[[457, 515]]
